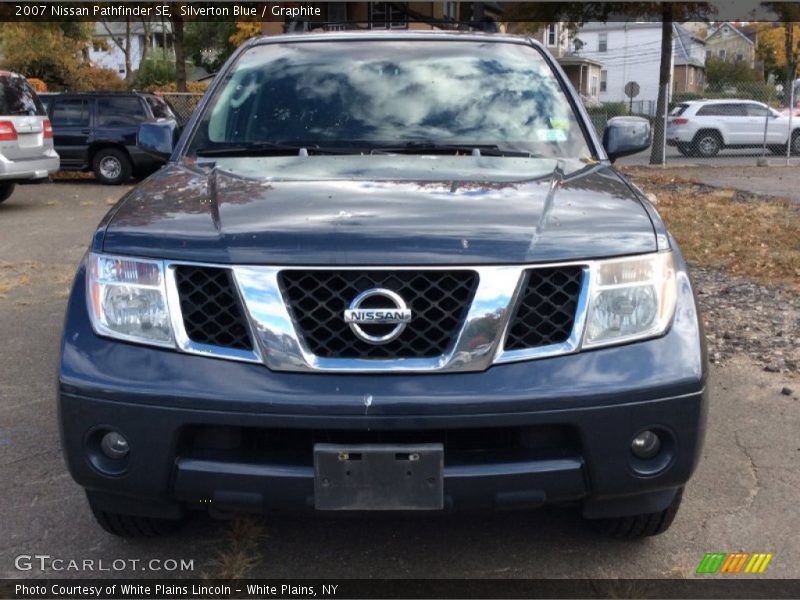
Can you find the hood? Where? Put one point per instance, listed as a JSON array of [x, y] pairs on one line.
[[359, 211]]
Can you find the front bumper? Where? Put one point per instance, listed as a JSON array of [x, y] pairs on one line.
[[28, 169], [590, 404]]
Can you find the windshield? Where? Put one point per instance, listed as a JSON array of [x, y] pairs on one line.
[[413, 96]]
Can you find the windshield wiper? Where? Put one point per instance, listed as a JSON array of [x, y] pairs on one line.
[[472, 149], [271, 148]]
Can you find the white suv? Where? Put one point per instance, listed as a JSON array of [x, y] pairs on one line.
[[704, 127], [26, 136]]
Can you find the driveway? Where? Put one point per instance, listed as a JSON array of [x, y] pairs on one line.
[[743, 497]]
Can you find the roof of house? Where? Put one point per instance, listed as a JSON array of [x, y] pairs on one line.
[[684, 39], [747, 33], [574, 59], [613, 25]]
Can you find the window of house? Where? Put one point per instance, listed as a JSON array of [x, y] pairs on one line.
[[722, 53], [552, 34], [388, 15], [71, 112], [739, 56], [119, 111], [602, 42], [709, 54], [593, 87], [602, 45], [725, 32], [451, 11], [603, 80], [97, 45]]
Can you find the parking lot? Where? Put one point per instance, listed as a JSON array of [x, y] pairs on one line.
[[743, 496]]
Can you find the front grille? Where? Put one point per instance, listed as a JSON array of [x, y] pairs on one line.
[[439, 301], [545, 312], [210, 306]]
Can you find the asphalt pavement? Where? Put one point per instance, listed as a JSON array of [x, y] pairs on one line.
[[743, 496]]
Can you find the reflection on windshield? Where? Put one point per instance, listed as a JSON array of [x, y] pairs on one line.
[[373, 93]]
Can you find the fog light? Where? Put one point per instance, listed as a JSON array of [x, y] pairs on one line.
[[646, 444], [114, 446]]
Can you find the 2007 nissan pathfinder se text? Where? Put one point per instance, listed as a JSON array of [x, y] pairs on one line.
[[384, 272]]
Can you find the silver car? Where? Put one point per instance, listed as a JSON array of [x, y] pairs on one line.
[[26, 136]]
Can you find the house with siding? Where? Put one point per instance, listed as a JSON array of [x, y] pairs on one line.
[[110, 38], [732, 43], [584, 72], [631, 51]]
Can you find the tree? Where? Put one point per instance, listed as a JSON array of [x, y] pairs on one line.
[[779, 45], [44, 51], [177, 21], [124, 44], [720, 73], [244, 31], [664, 77], [208, 44]]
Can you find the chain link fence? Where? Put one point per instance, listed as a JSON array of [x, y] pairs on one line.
[[183, 104], [716, 124]]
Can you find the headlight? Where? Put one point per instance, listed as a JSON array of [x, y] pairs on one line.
[[128, 299], [631, 298]]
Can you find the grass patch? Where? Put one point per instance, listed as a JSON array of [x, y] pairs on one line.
[[14, 275], [71, 175], [752, 236], [27, 273]]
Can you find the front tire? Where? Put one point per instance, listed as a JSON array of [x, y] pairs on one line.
[[643, 525], [111, 166], [707, 144], [6, 189], [132, 526]]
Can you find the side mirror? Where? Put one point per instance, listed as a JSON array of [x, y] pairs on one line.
[[626, 135], [158, 138]]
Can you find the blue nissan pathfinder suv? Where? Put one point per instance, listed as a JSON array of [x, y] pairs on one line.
[[384, 272]]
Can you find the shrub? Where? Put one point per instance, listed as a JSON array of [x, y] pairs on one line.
[[158, 69], [193, 87], [37, 84], [92, 78], [615, 109]]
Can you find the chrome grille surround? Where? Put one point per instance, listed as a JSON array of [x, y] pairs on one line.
[[279, 344]]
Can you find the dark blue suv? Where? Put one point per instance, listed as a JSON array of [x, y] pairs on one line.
[[96, 131], [384, 272]]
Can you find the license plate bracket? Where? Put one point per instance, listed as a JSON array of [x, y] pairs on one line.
[[378, 477]]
